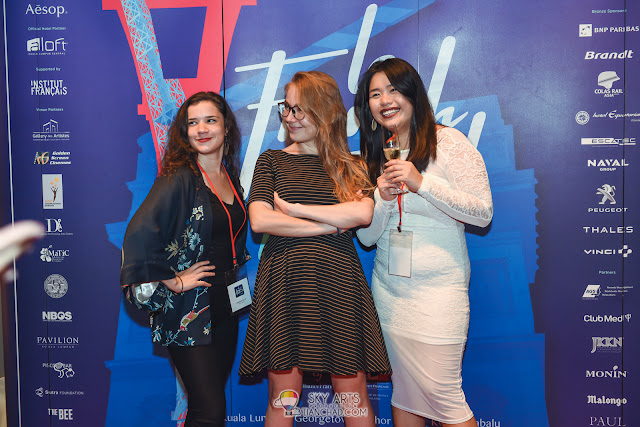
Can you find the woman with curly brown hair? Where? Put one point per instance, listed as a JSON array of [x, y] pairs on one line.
[[312, 309], [187, 233]]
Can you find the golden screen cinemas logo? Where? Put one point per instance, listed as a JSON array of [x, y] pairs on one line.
[[56, 158], [607, 142], [614, 373], [51, 132], [48, 88], [57, 316], [606, 344], [607, 165], [42, 158], [42, 46], [58, 342]]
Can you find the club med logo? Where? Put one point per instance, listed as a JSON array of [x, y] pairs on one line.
[[45, 10], [56, 286], [64, 370], [607, 142], [607, 318], [53, 255], [42, 158], [57, 316], [627, 54], [40, 46], [52, 191], [606, 344], [625, 251], [603, 400], [51, 132], [606, 79], [48, 88], [585, 30], [58, 342], [62, 414], [607, 165], [582, 117], [614, 373], [608, 230]]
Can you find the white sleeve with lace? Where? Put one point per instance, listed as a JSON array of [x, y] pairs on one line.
[[381, 212], [468, 199]]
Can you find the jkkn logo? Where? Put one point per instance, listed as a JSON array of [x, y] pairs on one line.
[[57, 316], [611, 344], [48, 88], [607, 165], [609, 230], [614, 373], [606, 79], [62, 414], [45, 10], [625, 251], [603, 400], [607, 318], [607, 142], [40, 46]]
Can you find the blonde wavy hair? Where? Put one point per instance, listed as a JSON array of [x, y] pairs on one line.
[[321, 102]]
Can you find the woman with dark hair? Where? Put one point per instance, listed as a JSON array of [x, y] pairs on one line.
[[312, 308], [420, 281], [188, 232]]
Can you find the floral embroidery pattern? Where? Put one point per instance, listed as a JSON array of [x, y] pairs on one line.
[[190, 242]]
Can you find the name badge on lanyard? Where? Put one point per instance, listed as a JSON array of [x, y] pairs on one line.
[[236, 279]]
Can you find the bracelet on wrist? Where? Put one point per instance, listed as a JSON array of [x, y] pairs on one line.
[[181, 284]]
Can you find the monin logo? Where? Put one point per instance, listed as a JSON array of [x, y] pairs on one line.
[[606, 344], [614, 373]]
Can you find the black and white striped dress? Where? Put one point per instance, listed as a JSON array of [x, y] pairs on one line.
[[312, 307]]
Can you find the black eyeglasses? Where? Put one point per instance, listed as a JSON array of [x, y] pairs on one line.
[[284, 109]]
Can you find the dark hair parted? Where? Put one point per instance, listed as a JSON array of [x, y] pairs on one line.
[[422, 139], [179, 151], [322, 103]]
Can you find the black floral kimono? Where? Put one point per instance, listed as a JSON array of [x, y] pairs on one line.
[[170, 232]]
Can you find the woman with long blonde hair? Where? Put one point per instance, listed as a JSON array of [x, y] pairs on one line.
[[312, 310]]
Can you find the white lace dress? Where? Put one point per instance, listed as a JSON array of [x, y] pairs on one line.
[[432, 306]]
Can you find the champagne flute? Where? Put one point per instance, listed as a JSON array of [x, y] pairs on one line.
[[392, 151]]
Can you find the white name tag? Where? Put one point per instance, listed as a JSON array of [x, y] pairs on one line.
[[238, 288], [400, 253]]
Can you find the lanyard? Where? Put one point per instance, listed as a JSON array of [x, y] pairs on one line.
[[233, 238], [400, 211]]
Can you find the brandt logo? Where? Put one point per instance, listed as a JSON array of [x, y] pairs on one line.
[[606, 344], [626, 54]]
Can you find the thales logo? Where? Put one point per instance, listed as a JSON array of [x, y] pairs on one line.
[[609, 230], [45, 10], [606, 344], [609, 55], [57, 316], [614, 373]]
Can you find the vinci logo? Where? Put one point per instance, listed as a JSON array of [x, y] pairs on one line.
[[625, 251], [40, 46], [57, 316]]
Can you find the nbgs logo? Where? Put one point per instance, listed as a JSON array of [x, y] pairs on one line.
[[45, 10], [57, 316]]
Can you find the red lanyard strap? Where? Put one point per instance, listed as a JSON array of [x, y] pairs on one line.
[[400, 211], [235, 193]]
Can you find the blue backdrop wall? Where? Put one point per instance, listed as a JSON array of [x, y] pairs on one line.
[[544, 89]]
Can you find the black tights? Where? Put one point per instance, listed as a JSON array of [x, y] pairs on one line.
[[204, 371]]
